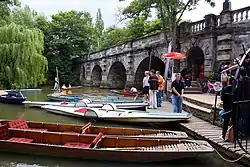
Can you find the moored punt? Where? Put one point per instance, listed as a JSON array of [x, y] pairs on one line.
[[72, 87], [103, 100], [99, 147], [120, 92], [87, 103], [27, 90], [111, 113], [12, 97], [94, 130]]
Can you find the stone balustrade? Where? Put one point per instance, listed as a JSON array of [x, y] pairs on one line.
[[241, 15], [197, 26]]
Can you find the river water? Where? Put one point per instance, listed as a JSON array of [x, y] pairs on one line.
[[33, 114]]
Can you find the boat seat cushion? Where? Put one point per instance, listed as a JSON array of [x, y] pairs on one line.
[[4, 132], [22, 124], [77, 145], [18, 124], [21, 140], [85, 145]]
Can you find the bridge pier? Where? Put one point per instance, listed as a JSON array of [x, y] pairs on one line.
[[104, 82], [130, 80]]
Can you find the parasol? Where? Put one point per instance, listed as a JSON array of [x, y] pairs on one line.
[[174, 55]]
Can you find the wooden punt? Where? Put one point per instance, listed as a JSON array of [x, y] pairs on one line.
[[120, 92], [94, 130], [98, 147]]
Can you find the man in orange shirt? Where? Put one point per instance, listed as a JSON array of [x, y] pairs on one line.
[[159, 94]]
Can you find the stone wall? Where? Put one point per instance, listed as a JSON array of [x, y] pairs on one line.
[[129, 55]]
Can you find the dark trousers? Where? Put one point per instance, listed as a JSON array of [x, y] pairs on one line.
[[188, 82], [225, 124]]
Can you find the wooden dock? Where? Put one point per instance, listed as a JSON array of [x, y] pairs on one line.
[[200, 129]]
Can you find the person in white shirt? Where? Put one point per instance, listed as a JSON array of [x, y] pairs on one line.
[[146, 87], [133, 90]]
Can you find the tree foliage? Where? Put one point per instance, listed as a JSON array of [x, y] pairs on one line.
[[5, 10], [98, 31], [169, 11], [22, 62], [67, 38]]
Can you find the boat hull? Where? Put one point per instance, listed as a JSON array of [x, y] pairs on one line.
[[128, 106], [115, 116], [11, 100], [73, 99], [91, 154], [139, 94]]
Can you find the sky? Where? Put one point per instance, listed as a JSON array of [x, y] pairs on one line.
[[109, 8]]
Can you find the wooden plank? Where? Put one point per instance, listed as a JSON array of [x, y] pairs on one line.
[[204, 130], [209, 131]]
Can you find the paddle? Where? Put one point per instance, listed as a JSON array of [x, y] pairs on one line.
[[136, 96]]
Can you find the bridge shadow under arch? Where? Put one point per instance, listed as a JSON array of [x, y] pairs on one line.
[[156, 63], [96, 76], [195, 62], [117, 76]]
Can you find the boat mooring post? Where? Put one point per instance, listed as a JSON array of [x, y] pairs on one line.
[[217, 88]]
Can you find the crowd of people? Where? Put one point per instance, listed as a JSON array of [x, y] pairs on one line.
[[227, 77], [153, 85]]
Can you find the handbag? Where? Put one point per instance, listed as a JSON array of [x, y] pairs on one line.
[[230, 134]]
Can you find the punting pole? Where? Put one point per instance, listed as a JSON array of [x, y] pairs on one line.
[[58, 79]]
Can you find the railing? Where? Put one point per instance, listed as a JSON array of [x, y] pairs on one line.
[[241, 15], [197, 26]]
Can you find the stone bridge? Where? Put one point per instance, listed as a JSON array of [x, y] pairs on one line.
[[206, 43]]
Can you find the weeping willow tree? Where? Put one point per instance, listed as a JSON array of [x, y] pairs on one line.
[[22, 64]]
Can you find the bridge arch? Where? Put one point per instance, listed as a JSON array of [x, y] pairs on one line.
[[156, 64], [117, 76], [96, 76], [195, 62]]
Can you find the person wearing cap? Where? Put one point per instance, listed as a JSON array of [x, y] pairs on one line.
[[153, 88], [145, 86]]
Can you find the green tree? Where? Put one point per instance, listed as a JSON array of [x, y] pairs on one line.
[[22, 62], [115, 35], [169, 11], [99, 28], [67, 38], [5, 10], [29, 18]]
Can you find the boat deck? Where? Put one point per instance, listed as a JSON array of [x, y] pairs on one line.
[[200, 129]]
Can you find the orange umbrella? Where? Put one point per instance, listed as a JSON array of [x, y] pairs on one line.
[[174, 55]]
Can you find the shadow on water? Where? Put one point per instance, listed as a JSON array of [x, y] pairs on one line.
[[35, 114]]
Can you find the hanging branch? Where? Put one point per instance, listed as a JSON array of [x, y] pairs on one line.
[[21, 59]]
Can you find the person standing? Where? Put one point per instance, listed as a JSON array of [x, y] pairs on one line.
[[146, 87], [153, 88], [159, 94], [226, 98], [177, 93]]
